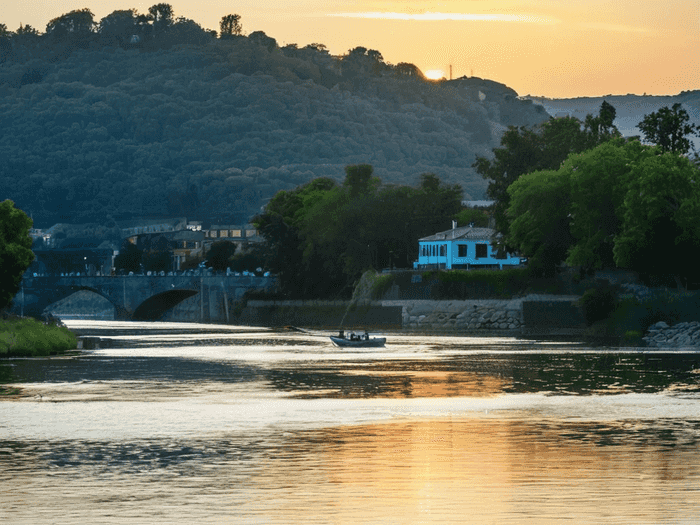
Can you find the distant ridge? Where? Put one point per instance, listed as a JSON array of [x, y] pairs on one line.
[[631, 109]]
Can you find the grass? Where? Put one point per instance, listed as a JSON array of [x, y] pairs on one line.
[[31, 338]]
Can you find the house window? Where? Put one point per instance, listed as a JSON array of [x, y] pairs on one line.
[[236, 233], [461, 250], [443, 250], [481, 251]]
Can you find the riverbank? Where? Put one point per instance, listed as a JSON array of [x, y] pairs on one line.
[[27, 337]]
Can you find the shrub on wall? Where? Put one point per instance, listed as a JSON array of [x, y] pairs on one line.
[[462, 284]]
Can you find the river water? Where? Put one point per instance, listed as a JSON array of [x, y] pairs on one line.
[[181, 423]]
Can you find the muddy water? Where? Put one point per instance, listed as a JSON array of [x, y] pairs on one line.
[[173, 423]]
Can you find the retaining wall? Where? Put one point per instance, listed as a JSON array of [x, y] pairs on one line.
[[532, 315]]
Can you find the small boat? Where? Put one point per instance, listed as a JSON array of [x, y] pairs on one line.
[[357, 340]]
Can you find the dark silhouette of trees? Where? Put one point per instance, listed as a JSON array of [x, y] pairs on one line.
[[119, 26], [74, 28], [15, 250], [162, 16], [229, 26], [129, 258], [668, 128]]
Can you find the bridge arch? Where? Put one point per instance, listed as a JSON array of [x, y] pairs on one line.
[[155, 306]]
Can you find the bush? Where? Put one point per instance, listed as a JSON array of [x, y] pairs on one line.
[[29, 337], [598, 303]]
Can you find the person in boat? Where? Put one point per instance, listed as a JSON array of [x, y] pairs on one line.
[[341, 334], [366, 336]]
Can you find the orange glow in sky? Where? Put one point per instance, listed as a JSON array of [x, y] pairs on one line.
[[544, 47]]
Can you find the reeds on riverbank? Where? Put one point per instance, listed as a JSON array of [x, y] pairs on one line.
[[30, 338]]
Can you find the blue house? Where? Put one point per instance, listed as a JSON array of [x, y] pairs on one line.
[[462, 248]]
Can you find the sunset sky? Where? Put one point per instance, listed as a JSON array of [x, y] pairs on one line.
[[551, 48]]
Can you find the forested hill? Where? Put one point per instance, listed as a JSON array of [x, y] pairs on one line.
[[630, 109], [211, 128]]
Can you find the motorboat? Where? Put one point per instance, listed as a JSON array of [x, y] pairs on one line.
[[352, 339]]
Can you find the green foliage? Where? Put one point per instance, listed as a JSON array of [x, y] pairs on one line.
[[29, 337], [539, 210], [381, 285], [598, 303], [599, 182], [460, 284], [668, 128], [524, 150], [467, 216], [619, 204], [323, 236], [15, 250], [660, 217]]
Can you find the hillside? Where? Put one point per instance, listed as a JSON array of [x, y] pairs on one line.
[[211, 129], [631, 109]]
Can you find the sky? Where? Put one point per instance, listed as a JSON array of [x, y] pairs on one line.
[[551, 48]]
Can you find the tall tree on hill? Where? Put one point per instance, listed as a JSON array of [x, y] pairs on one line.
[[75, 27], [162, 16], [119, 26], [230, 25], [668, 128]]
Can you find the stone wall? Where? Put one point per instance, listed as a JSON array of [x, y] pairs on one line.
[[483, 316]]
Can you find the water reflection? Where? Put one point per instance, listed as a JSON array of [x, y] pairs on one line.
[[434, 471], [195, 424]]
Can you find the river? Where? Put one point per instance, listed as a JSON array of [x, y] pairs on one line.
[[182, 423]]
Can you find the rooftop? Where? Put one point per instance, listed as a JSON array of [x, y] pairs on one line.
[[464, 232]]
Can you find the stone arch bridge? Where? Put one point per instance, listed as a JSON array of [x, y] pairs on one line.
[[140, 297]]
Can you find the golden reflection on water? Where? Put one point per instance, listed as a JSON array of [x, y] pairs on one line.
[[482, 471], [241, 426], [449, 470]]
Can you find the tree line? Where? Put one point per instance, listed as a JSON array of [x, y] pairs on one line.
[[584, 196], [322, 235]]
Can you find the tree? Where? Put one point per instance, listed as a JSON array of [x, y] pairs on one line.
[[358, 178], [15, 250], [129, 258], [75, 27], [162, 16], [661, 217], [407, 69], [220, 254], [230, 26], [668, 129], [119, 26], [544, 147], [600, 180], [539, 210], [601, 128]]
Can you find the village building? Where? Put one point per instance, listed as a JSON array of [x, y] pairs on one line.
[[461, 249]]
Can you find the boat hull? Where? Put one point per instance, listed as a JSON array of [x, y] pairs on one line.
[[373, 342]]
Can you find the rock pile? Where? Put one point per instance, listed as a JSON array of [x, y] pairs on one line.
[[681, 335]]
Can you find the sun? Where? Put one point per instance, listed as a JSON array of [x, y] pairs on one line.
[[434, 74]]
